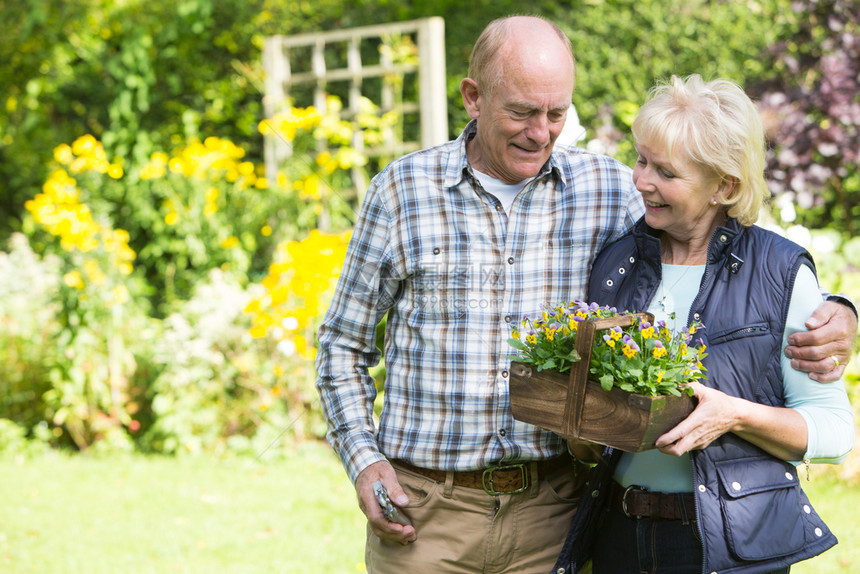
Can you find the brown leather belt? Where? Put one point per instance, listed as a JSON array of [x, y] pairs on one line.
[[503, 479], [636, 502]]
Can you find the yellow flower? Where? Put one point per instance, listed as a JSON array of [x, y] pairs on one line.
[[115, 171], [230, 242], [659, 352], [515, 334], [73, 279], [660, 376], [531, 338], [629, 351], [63, 154]]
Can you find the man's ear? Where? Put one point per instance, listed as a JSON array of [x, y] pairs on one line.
[[471, 97]]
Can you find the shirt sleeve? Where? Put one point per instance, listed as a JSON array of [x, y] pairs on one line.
[[824, 406], [347, 338]]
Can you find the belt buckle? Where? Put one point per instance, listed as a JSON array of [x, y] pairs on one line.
[[487, 479], [627, 491]]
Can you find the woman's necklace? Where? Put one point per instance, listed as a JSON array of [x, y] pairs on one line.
[[667, 301]]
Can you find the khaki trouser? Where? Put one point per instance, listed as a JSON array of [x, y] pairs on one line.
[[466, 530]]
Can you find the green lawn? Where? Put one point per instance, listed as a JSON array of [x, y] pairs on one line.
[[134, 514], [837, 503], [158, 515]]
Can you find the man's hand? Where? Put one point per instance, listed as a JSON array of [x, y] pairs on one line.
[[370, 507], [825, 349]]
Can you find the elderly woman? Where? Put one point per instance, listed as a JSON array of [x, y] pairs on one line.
[[720, 493]]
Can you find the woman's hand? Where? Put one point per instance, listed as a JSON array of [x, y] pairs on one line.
[[780, 431], [714, 416]]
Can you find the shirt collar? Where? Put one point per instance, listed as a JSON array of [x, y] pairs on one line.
[[459, 166]]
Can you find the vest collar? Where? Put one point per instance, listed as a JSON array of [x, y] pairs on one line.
[[719, 248]]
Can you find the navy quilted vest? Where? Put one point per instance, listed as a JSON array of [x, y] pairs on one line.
[[753, 515]]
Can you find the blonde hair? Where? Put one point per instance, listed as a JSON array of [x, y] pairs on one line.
[[717, 127], [485, 67]]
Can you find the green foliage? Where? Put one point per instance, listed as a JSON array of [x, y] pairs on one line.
[[811, 105], [623, 46], [146, 76]]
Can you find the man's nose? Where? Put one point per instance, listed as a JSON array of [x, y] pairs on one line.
[[538, 129]]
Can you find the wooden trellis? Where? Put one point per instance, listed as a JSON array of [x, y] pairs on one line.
[[281, 54]]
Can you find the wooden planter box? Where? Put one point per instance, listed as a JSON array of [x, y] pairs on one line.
[[573, 406]]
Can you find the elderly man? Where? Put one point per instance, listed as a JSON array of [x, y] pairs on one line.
[[455, 243]]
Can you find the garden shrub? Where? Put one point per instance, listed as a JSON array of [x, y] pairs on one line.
[[220, 389]]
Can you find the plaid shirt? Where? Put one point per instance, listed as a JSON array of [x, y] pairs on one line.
[[455, 272]]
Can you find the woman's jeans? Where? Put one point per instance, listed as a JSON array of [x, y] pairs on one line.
[[644, 546]]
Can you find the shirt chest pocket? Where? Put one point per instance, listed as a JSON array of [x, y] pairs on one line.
[[441, 283]]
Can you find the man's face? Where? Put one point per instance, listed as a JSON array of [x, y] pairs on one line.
[[520, 121]]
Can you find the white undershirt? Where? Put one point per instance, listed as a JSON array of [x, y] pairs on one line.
[[504, 192]]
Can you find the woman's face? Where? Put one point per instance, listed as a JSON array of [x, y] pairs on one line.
[[677, 194]]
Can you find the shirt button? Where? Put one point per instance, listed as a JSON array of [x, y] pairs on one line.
[[503, 432], [702, 488], [696, 316], [610, 282], [736, 485], [510, 260], [806, 509], [788, 476], [504, 374], [436, 251], [723, 238], [508, 318], [595, 493], [632, 260], [818, 532], [621, 270], [560, 571]]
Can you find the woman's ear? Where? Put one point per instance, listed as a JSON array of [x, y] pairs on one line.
[[728, 186]]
